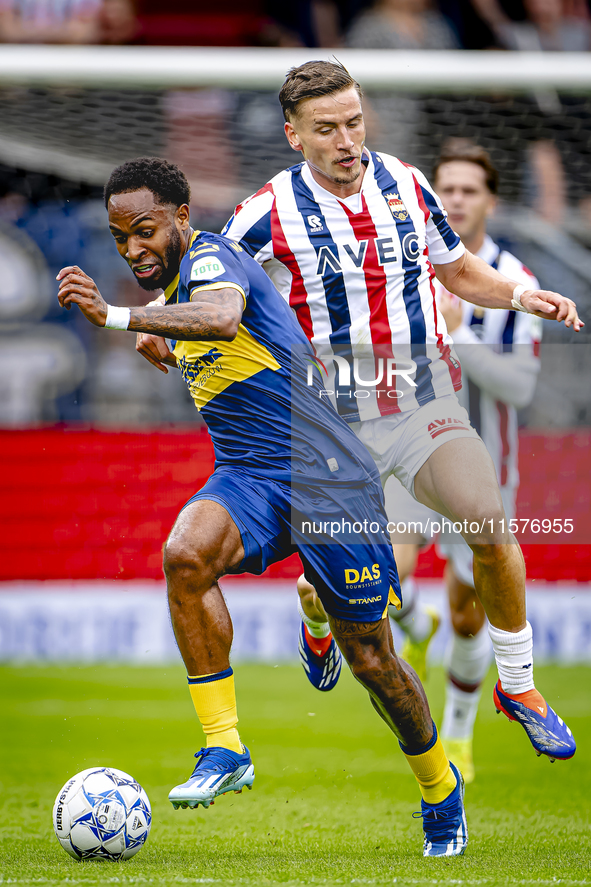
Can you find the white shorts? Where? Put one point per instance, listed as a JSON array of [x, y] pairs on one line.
[[401, 443]]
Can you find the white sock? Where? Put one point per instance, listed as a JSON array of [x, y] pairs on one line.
[[514, 657], [467, 659], [316, 629], [459, 713], [413, 619]]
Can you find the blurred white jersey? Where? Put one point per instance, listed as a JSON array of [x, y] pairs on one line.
[[358, 273], [498, 351]]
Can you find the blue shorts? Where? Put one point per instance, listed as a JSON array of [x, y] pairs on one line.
[[339, 532]]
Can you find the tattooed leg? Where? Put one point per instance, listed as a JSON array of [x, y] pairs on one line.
[[394, 689]]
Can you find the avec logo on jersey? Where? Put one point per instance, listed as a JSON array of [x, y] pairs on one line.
[[331, 260]]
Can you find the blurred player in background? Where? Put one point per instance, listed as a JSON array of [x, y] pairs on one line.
[[282, 455], [353, 240], [498, 351]]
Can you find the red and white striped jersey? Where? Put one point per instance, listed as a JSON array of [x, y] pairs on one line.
[[498, 350], [359, 274]]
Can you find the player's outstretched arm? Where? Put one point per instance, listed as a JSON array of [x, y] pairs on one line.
[[215, 315], [472, 279]]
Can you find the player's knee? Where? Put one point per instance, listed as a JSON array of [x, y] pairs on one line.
[[366, 671], [306, 591], [486, 524], [488, 555], [370, 664], [383, 678], [184, 557]]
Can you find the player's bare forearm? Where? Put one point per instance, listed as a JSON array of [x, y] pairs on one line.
[[473, 280], [214, 315], [190, 322]]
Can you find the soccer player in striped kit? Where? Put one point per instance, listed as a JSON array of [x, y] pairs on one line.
[[498, 350], [353, 240], [499, 380]]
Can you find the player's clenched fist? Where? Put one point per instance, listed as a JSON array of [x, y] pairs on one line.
[[77, 288]]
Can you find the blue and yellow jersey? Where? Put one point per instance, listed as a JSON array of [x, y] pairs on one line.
[[262, 404]]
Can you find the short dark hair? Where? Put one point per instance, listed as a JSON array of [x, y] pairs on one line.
[[468, 151], [312, 79], [165, 180]]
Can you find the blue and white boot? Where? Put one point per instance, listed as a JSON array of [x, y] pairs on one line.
[[217, 771], [444, 824], [547, 732], [322, 671]]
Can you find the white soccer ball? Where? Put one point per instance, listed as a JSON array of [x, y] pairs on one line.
[[102, 813]]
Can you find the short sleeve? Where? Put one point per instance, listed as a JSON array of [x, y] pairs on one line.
[[214, 264], [443, 243], [250, 226]]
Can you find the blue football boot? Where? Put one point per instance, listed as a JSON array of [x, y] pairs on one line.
[[444, 824], [548, 733], [322, 671], [218, 770]]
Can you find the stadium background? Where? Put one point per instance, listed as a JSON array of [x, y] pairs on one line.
[[99, 451]]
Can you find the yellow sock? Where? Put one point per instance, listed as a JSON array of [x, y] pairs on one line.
[[214, 698], [432, 771]]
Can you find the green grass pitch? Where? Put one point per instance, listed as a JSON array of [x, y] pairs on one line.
[[333, 796]]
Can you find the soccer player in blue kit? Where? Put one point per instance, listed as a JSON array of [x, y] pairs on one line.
[[283, 458]]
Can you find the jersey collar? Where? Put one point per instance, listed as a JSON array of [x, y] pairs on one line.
[[316, 187], [172, 287]]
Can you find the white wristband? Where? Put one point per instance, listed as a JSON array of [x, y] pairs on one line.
[[117, 318], [519, 290]]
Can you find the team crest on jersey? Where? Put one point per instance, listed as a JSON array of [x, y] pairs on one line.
[[397, 207]]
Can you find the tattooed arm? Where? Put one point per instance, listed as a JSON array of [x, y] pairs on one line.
[[155, 348], [214, 314]]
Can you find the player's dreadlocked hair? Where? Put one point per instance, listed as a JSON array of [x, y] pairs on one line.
[[312, 79], [165, 180]]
